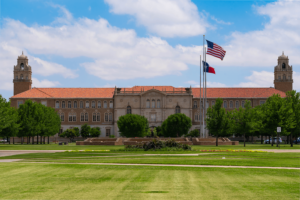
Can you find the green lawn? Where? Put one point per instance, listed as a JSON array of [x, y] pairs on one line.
[[72, 146], [69, 181], [231, 158]]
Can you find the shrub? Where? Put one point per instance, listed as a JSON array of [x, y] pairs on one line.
[[132, 125], [155, 144], [193, 133], [176, 125], [111, 136]]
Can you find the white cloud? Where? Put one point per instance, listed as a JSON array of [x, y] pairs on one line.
[[220, 21], [166, 18], [259, 79], [44, 83], [66, 16], [208, 84]]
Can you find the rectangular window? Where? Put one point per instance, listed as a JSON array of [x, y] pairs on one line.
[[62, 117], [231, 104], [70, 118], [19, 103], [74, 118], [106, 117], [93, 104], [94, 117], [63, 104], [153, 103], [75, 104], [207, 104], [111, 104], [69, 104], [107, 132], [82, 117], [110, 117], [99, 104], [105, 104], [237, 104], [86, 117], [98, 117], [87, 104], [153, 117], [261, 102], [57, 104], [44, 103], [196, 117], [213, 103], [225, 104], [243, 104], [158, 103], [81, 104], [148, 103], [195, 104]]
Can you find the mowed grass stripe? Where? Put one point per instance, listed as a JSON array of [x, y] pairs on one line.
[[31, 181]]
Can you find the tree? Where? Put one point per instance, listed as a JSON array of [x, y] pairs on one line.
[[8, 119], [278, 112], [193, 133], [218, 121], [293, 99], [51, 122], [85, 131], [244, 123], [176, 125], [159, 131], [132, 125], [95, 132], [69, 133]]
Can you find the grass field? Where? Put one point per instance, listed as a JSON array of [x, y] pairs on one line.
[[72, 146], [67, 181]]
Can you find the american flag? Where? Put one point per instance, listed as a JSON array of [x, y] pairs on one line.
[[215, 50]]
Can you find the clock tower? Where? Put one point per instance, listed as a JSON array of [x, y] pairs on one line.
[[283, 74]]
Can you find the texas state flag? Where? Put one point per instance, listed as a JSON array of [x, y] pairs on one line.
[[207, 68]]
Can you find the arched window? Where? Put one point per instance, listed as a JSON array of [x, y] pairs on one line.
[[237, 104], [87, 104], [57, 104], [279, 77], [128, 109], [93, 104], [289, 77], [75, 104], [283, 77], [16, 77], [110, 117], [99, 104], [94, 117], [231, 104], [212, 103], [26, 77], [69, 104], [153, 103], [196, 117], [283, 65], [148, 103], [158, 103], [63, 104], [74, 117], [81, 104], [86, 117], [82, 117], [243, 104], [177, 109], [111, 105], [62, 117], [70, 117], [195, 104], [98, 117], [105, 104], [106, 117], [201, 104], [225, 104], [22, 66], [21, 77]]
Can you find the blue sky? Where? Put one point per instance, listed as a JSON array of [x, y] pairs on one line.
[[75, 43]]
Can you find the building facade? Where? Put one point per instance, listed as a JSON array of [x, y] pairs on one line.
[[102, 107]]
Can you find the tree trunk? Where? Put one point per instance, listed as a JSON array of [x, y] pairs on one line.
[[244, 140], [272, 140], [252, 138], [8, 140], [261, 139], [37, 139], [291, 139], [13, 140], [269, 139], [277, 140], [217, 142], [48, 139], [32, 138], [22, 140]]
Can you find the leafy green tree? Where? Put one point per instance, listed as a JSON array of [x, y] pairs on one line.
[[9, 126], [69, 133], [95, 132], [159, 131], [77, 130], [193, 133], [132, 125], [244, 121], [278, 112], [51, 122], [85, 131], [218, 121], [293, 98], [176, 125]]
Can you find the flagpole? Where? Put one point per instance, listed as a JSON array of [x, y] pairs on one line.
[[205, 89], [200, 101], [204, 67]]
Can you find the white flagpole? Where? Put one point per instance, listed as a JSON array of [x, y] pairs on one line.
[[200, 101], [204, 66], [205, 87]]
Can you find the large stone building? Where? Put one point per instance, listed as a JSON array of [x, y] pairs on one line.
[[101, 107]]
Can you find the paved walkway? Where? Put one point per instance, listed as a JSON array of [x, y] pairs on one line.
[[17, 152], [170, 165]]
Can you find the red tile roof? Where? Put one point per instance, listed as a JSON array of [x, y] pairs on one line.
[[238, 92], [109, 92], [67, 93]]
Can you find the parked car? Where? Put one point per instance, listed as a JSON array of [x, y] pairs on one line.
[[298, 140], [275, 141], [4, 140]]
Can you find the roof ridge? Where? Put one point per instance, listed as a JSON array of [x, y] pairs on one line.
[[43, 92]]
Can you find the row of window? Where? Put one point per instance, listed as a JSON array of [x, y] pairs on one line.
[[84, 117], [94, 104], [21, 77], [154, 104], [225, 104], [284, 77], [107, 131]]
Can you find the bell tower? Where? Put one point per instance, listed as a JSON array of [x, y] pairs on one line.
[[22, 75], [283, 74]]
